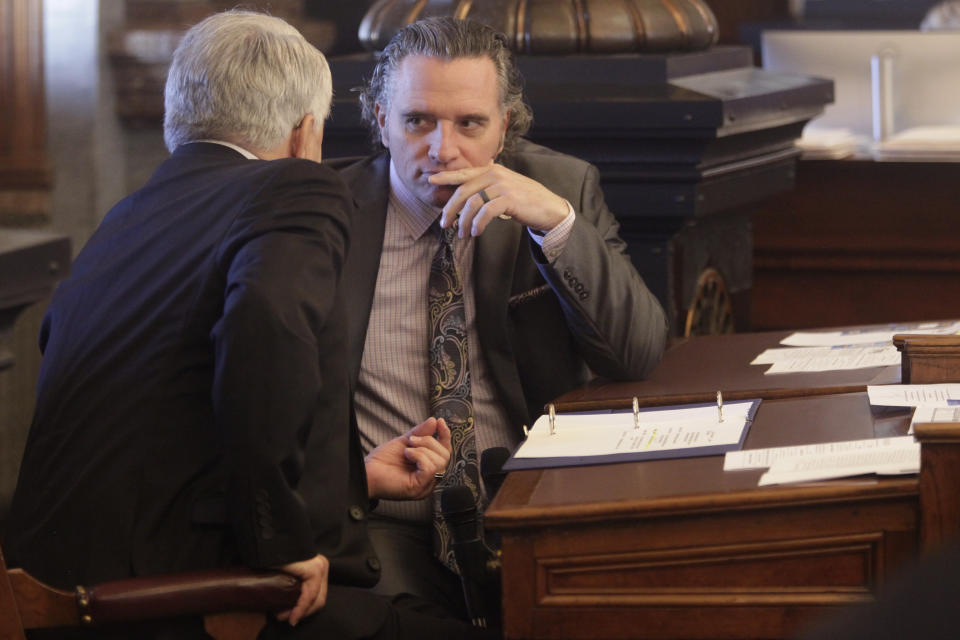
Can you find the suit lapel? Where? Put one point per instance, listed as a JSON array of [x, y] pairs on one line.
[[369, 182], [494, 264]]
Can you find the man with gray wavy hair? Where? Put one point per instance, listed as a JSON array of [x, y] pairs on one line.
[[193, 409]]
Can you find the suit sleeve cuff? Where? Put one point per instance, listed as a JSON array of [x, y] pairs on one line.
[[552, 242]]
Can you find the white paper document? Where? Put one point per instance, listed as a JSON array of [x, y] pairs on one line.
[[810, 359], [929, 414], [763, 458], [874, 335], [885, 461], [914, 395], [593, 438]]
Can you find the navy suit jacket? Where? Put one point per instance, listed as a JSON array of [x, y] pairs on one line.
[[193, 407]]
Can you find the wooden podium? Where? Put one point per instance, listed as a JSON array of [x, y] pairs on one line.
[[682, 549]]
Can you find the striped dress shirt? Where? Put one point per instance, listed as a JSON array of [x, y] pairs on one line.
[[392, 394]]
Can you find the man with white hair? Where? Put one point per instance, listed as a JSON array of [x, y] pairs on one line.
[[193, 404]]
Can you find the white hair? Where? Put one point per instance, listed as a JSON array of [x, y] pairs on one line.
[[944, 16], [246, 78]]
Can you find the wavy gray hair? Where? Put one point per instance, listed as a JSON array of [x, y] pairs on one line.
[[243, 77], [449, 39]]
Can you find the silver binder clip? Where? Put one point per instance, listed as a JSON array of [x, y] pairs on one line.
[[636, 413], [719, 407], [526, 432], [552, 414]]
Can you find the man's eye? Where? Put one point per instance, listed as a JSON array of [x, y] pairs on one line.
[[416, 122], [470, 125]]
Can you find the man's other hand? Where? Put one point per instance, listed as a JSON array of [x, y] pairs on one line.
[[405, 468], [313, 587]]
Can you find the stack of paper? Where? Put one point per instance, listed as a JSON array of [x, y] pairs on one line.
[[914, 395], [928, 414], [933, 402], [619, 436], [805, 463], [806, 359], [813, 351], [831, 144], [939, 143], [870, 336]]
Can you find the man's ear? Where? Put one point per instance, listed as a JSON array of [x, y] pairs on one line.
[[305, 141], [381, 114], [503, 133]]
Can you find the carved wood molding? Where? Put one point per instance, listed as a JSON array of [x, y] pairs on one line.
[[23, 158], [819, 570], [928, 359]]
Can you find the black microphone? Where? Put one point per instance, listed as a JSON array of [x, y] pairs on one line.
[[459, 510], [491, 469]]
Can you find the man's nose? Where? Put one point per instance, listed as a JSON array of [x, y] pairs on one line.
[[443, 143]]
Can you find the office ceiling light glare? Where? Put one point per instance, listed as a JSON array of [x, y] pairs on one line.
[[556, 27]]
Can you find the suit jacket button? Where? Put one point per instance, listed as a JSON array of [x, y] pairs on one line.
[[356, 513], [374, 563]]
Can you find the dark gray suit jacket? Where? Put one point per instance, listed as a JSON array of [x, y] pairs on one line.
[[543, 328]]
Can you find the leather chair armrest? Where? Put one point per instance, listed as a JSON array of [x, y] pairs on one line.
[[194, 593]]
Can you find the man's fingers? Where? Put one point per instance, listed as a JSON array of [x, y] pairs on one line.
[[426, 428], [427, 462], [321, 600], [309, 591], [465, 201], [459, 176], [443, 433], [313, 588], [432, 459]]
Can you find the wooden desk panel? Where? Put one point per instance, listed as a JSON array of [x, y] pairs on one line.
[[858, 242], [682, 549]]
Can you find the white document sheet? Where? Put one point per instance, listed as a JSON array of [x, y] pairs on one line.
[[867, 336], [914, 395], [809, 359], [884, 461], [763, 458], [928, 414], [585, 438]]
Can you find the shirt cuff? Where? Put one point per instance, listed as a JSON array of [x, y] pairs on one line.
[[552, 242]]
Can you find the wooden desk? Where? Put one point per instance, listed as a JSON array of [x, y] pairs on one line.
[[682, 549], [695, 369]]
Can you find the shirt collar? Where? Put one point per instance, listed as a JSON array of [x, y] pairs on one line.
[[415, 215], [246, 154]]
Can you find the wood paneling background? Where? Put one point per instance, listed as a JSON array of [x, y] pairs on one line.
[[24, 171], [859, 242]]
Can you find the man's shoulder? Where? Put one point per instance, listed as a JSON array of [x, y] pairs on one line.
[[361, 168], [530, 158]]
